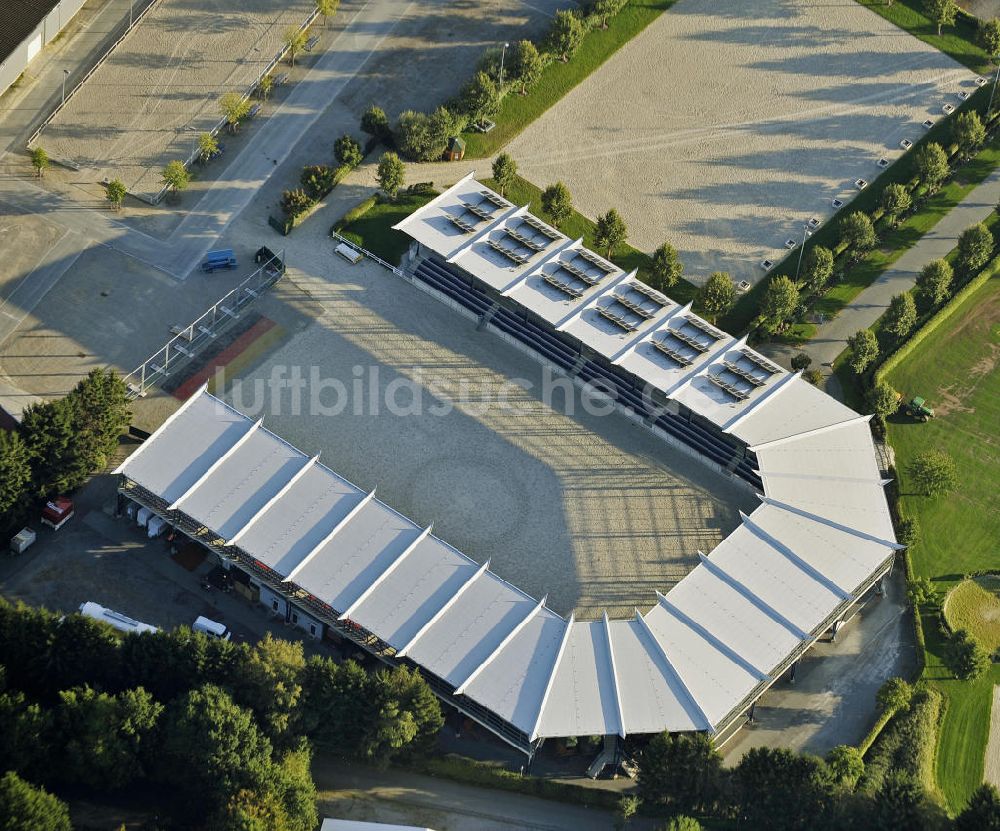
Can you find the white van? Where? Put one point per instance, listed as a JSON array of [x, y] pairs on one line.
[[212, 628]]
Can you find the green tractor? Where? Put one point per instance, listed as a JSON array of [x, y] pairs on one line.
[[918, 409]]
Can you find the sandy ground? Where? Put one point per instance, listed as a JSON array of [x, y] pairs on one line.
[[159, 89], [589, 509], [724, 129], [991, 772]]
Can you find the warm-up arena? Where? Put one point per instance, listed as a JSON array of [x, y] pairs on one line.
[[332, 557]]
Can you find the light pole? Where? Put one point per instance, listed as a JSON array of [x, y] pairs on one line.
[[802, 248], [65, 76], [503, 54]]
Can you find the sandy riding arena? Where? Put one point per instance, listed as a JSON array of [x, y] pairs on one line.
[[724, 127], [149, 100]]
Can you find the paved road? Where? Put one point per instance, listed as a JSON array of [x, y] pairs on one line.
[[831, 338]]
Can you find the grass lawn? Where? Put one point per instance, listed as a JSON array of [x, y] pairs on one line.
[[975, 605], [954, 368], [373, 229], [523, 192], [518, 111], [958, 41]]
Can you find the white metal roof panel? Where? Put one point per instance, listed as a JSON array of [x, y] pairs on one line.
[[426, 579], [513, 683], [186, 447], [843, 452], [582, 698], [860, 505], [729, 616], [356, 556], [716, 681], [297, 522], [472, 628], [243, 483], [800, 408], [653, 699]]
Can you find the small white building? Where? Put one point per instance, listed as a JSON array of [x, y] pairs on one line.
[[25, 27]]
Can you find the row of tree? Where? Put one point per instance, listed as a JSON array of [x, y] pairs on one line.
[[228, 727]]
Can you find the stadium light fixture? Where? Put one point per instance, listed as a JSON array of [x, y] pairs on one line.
[[503, 54]]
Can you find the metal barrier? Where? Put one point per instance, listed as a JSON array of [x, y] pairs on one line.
[[91, 71], [394, 269], [188, 340]]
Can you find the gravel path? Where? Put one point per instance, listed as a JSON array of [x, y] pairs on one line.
[[149, 100], [991, 772], [725, 130]]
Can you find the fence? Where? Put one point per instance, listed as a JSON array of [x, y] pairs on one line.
[[245, 97], [394, 269], [188, 340], [45, 123]]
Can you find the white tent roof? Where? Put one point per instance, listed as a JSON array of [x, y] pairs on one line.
[[820, 536]]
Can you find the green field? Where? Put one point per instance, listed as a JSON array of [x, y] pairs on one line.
[[518, 111], [955, 369], [372, 229], [975, 605]]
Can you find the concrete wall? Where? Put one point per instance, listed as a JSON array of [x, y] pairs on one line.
[[45, 32]]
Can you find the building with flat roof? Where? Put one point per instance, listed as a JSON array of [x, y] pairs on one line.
[[27, 26]]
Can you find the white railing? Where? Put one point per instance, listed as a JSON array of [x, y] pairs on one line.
[[188, 340]]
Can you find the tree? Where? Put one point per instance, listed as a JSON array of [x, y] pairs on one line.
[[265, 86], [628, 807], [863, 346], [26, 741], [566, 34], [504, 172], [933, 472], [115, 192], [347, 150], [902, 803], [234, 108], [480, 98], [779, 303], [405, 715], [846, 764], [983, 811], [317, 180], [901, 316], [941, 12], [717, 296], [175, 176], [884, 400], [680, 771], [335, 705], [934, 282], [968, 132], [294, 41], [967, 657], [268, 683], [607, 8], [327, 9], [208, 145], [817, 268], [23, 807], [683, 823], [100, 415], [211, 749], [527, 65], [975, 247], [857, 231], [909, 531], [610, 232], [47, 430], [989, 38], [778, 789], [921, 592], [557, 204], [249, 811], [15, 475], [296, 202], [39, 161], [421, 137], [391, 174], [375, 122], [801, 361], [813, 376], [896, 200], [932, 165], [667, 268], [894, 695]]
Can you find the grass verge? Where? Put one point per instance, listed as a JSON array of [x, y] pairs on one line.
[[518, 111], [627, 258], [370, 224], [954, 368]]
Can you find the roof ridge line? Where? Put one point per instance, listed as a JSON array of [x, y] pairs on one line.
[[301, 564], [769, 395], [814, 431], [895, 546], [551, 679], [856, 480], [284, 489], [619, 709], [382, 575], [212, 468], [167, 422]]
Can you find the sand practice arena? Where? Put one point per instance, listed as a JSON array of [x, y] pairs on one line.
[[152, 96], [724, 127]]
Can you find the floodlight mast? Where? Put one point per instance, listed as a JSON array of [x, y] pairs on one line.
[[503, 54], [802, 248]]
